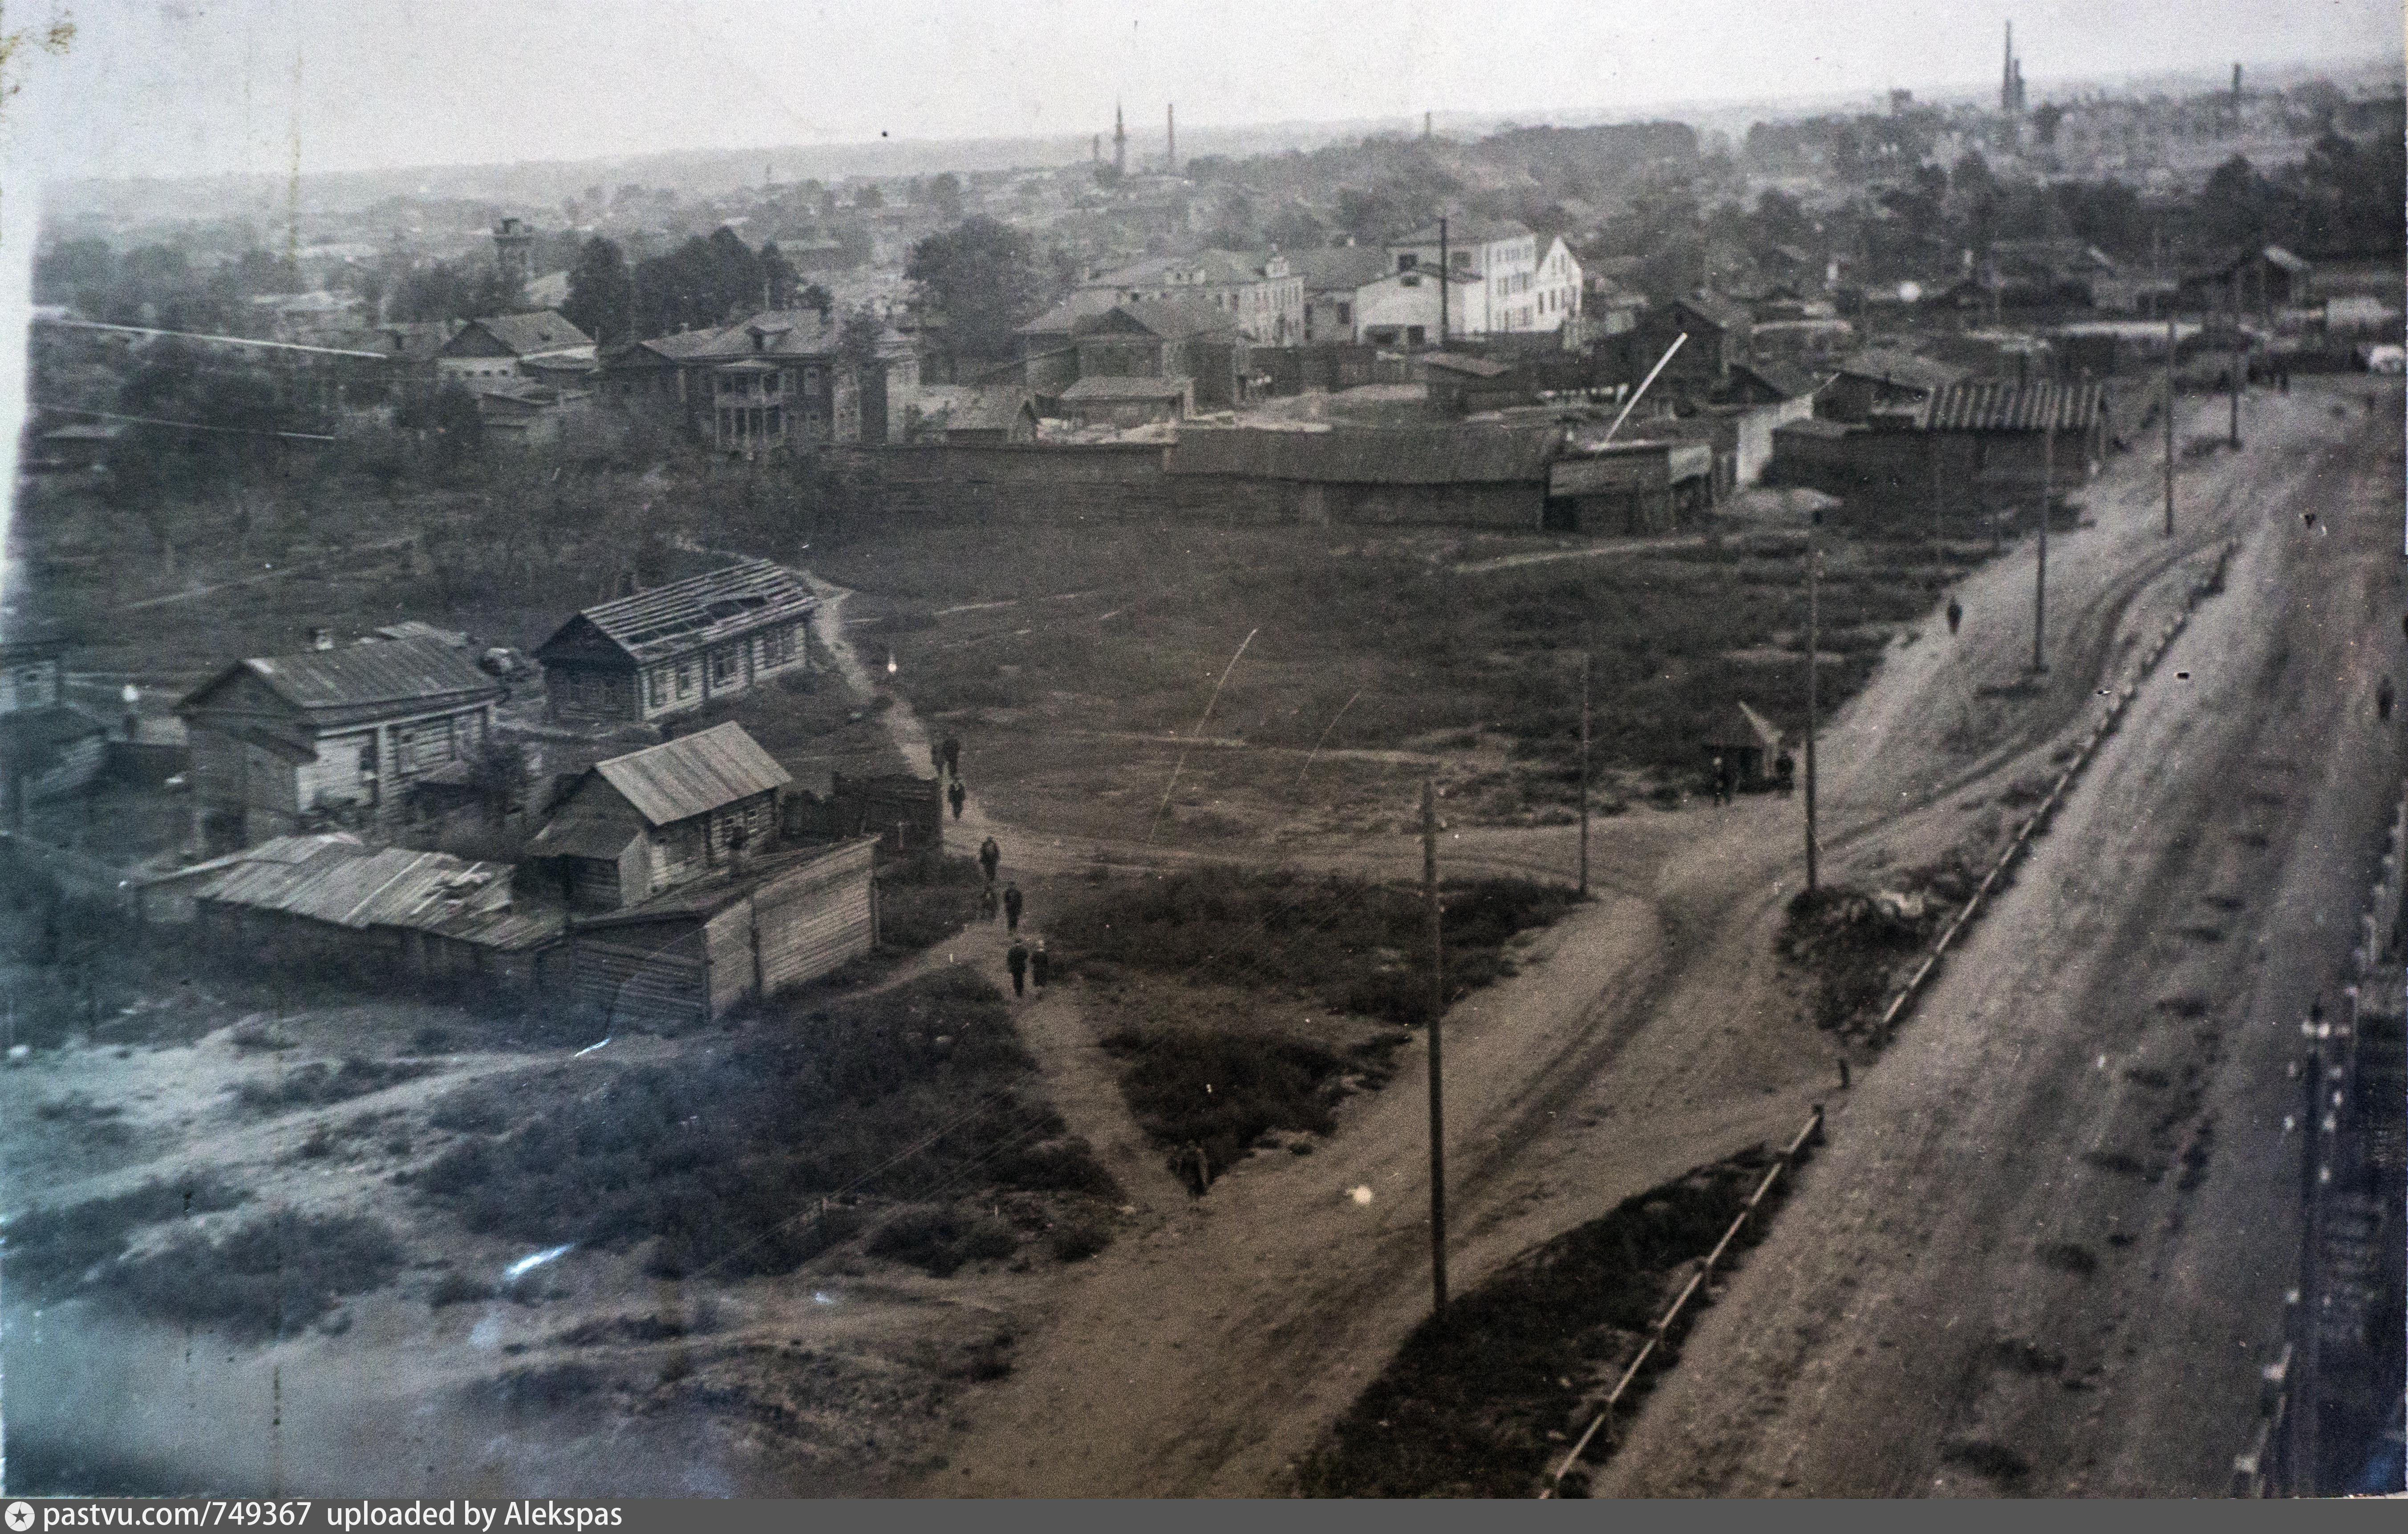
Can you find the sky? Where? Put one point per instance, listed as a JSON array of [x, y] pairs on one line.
[[185, 87]]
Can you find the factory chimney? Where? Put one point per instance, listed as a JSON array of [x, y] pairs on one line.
[[1170, 139]]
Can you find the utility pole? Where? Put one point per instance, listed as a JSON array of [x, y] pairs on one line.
[[1438, 1009], [2240, 360], [2169, 425], [1445, 282], [2047, 486], [1813, 665], [1583, 865]]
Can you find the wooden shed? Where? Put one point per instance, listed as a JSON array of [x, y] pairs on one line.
[[652, 820], [748, 932], [1750, 745]]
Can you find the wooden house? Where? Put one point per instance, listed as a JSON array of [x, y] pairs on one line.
[[502, 349], [47, 748], [974, 415], [285, 743], [1750, 747], [653, 820], [744, 933], [673, 649]]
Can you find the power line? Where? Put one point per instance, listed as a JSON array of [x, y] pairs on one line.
[[216, 340]]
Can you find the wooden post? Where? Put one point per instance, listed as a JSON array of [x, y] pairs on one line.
[[2240, 360], [1445, 285], [2047, 484], [1438, 1009], [2169, 425], [1584, 793], [1813, 665]]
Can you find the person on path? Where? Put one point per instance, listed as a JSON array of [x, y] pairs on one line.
[[1956, 616], [2382, 699], [1015, 959], [988, 904], [1785, 771], [1040, 966], [1714, 781], [1195, 1169], [957, 793], [1011, 908], [952, 754], [990, 858]]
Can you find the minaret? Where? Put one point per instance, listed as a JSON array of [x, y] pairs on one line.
[[1120, 142], [1170, 140], [2006, 74]]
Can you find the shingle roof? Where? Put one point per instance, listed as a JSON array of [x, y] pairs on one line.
[[360, 677], [1337, 267], [338, 881], [2016, 407], [1214, 268], [1171, 319], [969, 407], [1904, 368], [1064, 317], [1467, 231], [529, 334], [693, 774], [1718, 310], [1783, 378], [1457, 456], [703, 609]]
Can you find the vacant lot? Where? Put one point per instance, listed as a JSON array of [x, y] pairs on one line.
[[1068, 657]]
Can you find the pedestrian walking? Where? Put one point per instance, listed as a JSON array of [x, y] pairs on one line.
[[1714, 781], [957, 793], [1015, 959], [1843, 1073], [990, 858], [2382, 699], [1011, 908], [1040, 966], [988, 904], [1956, 616], [952, 751], [1785, 771], [1195, 1169]]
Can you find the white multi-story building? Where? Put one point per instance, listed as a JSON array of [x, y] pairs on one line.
[[1259, 292], [1498, 282]]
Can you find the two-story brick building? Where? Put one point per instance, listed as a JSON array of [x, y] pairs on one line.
[[671, 649], [330, 736]]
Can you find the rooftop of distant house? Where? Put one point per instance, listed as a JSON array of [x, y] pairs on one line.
[[689, 615], [359, 679]]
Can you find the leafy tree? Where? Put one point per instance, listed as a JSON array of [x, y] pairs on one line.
[[982, 275], [601, 294], [945, 196], [869, 196]]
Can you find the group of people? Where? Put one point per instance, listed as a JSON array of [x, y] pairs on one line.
[[1027, 964], [947, 754]]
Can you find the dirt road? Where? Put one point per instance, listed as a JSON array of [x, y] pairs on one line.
[[1657, 1033], [2048, 1250]]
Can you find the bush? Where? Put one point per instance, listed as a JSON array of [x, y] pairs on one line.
[[315, 1086], [726, 1161], [50, 1249], [455, 1289], [267, 1278], [1079, 1237], [1221, 1089]]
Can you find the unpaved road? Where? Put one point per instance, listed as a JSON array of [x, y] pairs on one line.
[[1653, 1032], [2048, 1250]]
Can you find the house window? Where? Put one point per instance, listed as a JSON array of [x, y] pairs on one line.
[[1343, 317], [1413, 334], [686, 678], [1408, 260], [656, 686], [726, 665], [778, 647]]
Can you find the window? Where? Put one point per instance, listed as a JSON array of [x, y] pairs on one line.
[[1343, 318], [656, 686], [778, 647], [1409, 281], [1413, 334], [726, 665], [686, 678], [1408, 260]]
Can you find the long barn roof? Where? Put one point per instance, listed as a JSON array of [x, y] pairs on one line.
[[686, 615], [1460, 456], [2016, 407], [362, 678]]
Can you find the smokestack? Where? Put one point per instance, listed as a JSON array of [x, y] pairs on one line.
[[1120, 142], [1426, 125], [1170, 139]]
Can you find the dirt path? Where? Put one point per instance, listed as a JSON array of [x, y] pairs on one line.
[[2058, 1222], [1661, 1033]]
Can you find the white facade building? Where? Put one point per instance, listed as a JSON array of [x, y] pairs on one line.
[[1500, 283]]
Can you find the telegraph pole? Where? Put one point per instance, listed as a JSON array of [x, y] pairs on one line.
[[2240, 360], [1813, 665], [1583, 865], [2169, 425], [2047, 485], [1438, 1009]]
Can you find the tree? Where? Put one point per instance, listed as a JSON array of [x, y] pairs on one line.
[[945, 196], [858, 338], [982, 275], [779, 277], [869, 196], [601, 294]]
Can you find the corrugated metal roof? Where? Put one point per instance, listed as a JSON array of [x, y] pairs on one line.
[[1463, 455], [2016, 407], [693, 774], [705, 610], [363, 676], [344, 884]]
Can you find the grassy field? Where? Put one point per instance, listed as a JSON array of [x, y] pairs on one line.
[[1069, 656], [1246, 1004]]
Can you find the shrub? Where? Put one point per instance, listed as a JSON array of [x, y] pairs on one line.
[[49, 1250], [314, 1085], [1079, 1237], [1221, 1089], [265, 1279]]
